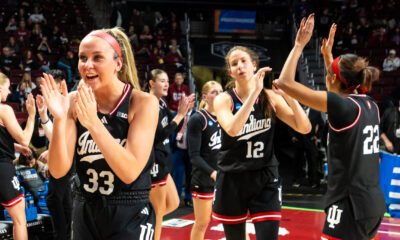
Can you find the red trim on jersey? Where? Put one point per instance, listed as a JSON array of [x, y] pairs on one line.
[[127, 87], [266, 216], [326, 237], [14, 201], [212, 118], [358, 95], [204, 196], [379, 115], [351, 125], [234, 91], [160, 183], [161, 106], [205, 120], [229, 219]]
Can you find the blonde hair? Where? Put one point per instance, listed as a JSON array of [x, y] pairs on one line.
[[254, 58], [128, 72], [204, 90], [3, 79]]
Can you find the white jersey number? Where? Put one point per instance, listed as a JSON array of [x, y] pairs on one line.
[[371, 143], [255, 150], [93, 179]]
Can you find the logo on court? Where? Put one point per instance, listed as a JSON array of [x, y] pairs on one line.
[[15, 183], [334, 215], [154, 170], [146, 232]]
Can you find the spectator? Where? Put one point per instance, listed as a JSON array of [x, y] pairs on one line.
[[36, 34], [175, 92], [11, 26], [13, 46], [133, 37], [22, 34], [162, 47], [27, 78], [44, 46], [396, 37], [44, 64], [37, 16], [173, 58], [391, 63], [28, 62], [156, 59], [7, 61], [70, 64], [146, 37], [20, 94], [390, 129]]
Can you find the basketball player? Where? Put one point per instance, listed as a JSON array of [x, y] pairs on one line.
[[163, 194], [354, 201], [108, 128], [248, 177], [204, 142], [11, 196]]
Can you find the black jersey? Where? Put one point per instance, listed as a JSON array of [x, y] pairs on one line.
[[165, 127], [204, 142], [95, 175], [252, 148], [7, 150], [353, 157]]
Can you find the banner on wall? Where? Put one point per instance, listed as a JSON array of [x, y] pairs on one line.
[[390, 182], [234, 21]]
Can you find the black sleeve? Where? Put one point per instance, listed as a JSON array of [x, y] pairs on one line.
[[194, 134], [163, 132], [384, 121], [342, 112]]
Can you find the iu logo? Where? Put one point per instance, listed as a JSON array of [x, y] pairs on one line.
[[146, 232], [15, 183], [154, 170], [334, 215]]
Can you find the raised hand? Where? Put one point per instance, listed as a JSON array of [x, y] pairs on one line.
[[30, 105], [327, 44], [41, 106], [56, 102], [26, 151], [259, 78], [305, 31], [185, 104], [276, 89], [86, 106]]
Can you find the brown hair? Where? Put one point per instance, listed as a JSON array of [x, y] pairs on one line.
[[128, 72], [205, 89], [153, 75], [26, 77], [263, 97], [355, 71]]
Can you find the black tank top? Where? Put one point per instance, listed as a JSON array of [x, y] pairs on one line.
[[161, 142], [7, 150], [353, 161], [252, 148], [210, 143], [95, 175]]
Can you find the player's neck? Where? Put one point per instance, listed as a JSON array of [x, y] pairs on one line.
[[244, 89], [108, 96]]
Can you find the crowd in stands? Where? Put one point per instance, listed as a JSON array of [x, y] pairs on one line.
[[368, 28]]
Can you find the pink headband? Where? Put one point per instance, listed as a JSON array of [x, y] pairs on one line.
[[110, 39]]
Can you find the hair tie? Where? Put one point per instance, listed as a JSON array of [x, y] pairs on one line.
[[109, 38]]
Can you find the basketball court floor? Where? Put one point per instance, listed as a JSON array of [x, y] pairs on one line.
[[302, 219]]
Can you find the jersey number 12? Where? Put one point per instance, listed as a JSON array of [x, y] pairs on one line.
[[255, 150]]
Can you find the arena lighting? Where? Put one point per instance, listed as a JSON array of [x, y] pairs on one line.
[[220, 49]]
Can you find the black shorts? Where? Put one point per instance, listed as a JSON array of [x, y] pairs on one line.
[[102, 219], [201, 192], [10, 188], [159, 171], [257, 192], [340, 223]]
